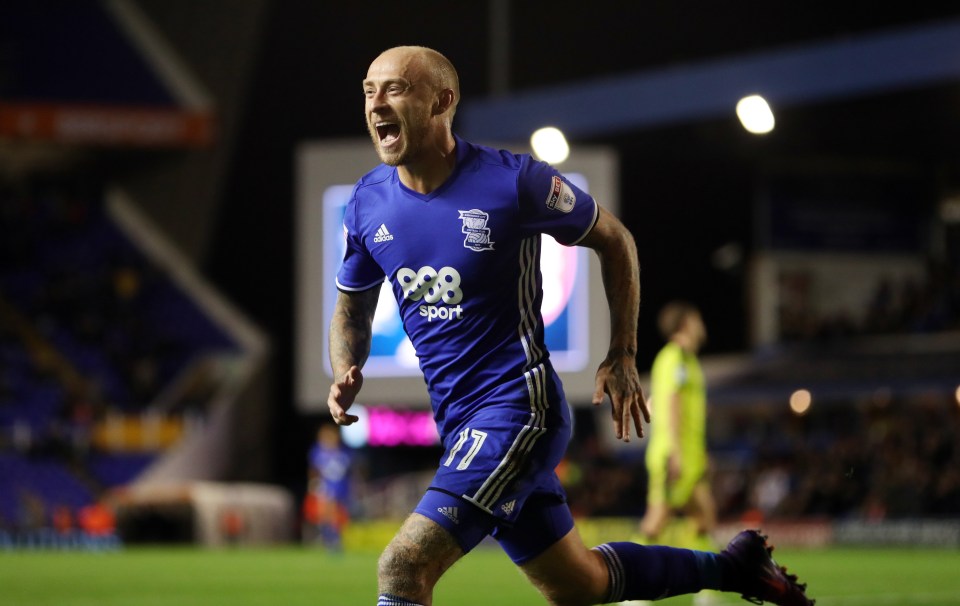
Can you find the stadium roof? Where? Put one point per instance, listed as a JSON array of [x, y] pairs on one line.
[[853, 67]]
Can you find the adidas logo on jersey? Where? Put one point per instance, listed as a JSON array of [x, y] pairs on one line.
[[382, 234], [508, 506], [451, 513]]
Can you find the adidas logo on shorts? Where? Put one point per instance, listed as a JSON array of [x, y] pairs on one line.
[[451, 513], [507, 507], [382, 234]]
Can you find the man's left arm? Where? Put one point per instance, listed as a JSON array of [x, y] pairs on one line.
[[618, 376]]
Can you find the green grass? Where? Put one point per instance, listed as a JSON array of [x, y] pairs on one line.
[[295, 576]]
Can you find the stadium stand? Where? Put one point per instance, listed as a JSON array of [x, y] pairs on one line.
[[96, 299], [94, 338]]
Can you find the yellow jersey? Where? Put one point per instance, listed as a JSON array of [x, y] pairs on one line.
[[676, 372]]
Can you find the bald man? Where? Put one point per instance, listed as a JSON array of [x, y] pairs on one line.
[[455, 229]]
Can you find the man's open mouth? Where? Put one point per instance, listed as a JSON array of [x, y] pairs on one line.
[[388, 132]]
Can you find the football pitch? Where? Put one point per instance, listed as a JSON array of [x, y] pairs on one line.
[[306, 576]]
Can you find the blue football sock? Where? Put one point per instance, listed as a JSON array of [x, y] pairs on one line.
[[386, 599], [639, 572]]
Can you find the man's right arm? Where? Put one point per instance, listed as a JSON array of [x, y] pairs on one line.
[[617, 375], [351, 333]]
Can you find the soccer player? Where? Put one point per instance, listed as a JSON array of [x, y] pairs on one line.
[[326, 505], [455, 229], [676, 454]]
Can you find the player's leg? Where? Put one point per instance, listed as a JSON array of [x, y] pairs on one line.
[[658, 511], [414, 561], [690, 494], [569, 574], [692, 489], [545, 544], [687, 494], [654, 520], [443, 526], [702, 509]]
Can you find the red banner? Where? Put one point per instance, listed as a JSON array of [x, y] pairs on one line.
[[107, 125]]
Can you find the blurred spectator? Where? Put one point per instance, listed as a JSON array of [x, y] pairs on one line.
[[62, 520], [924, 304], [97, 520], [32, 511], [875, 460]]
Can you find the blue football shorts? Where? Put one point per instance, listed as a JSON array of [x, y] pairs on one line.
[[497, 477]]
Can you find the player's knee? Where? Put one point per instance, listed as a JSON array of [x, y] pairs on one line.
[[393, 564], [403, 572]]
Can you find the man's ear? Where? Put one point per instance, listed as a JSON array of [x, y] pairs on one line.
[[444, 101]]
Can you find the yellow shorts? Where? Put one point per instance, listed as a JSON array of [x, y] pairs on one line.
[[677, 493]]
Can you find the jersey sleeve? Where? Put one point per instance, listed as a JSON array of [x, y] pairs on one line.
[[359, 271], [551, 204]]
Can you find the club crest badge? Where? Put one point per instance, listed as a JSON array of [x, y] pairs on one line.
[[475, 227]]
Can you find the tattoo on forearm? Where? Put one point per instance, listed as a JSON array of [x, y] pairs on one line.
[[351, 329], [620, 273]]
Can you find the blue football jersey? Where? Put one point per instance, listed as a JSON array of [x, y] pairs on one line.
[[464, 265], [333, 468]]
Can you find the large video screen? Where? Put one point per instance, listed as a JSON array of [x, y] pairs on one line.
[[574, 310]]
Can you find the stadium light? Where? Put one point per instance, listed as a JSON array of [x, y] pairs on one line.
[[550, 145], [800, 401], [755, 115]]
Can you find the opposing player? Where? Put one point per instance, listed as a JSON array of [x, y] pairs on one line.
[[676, 454], [455, 229]]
